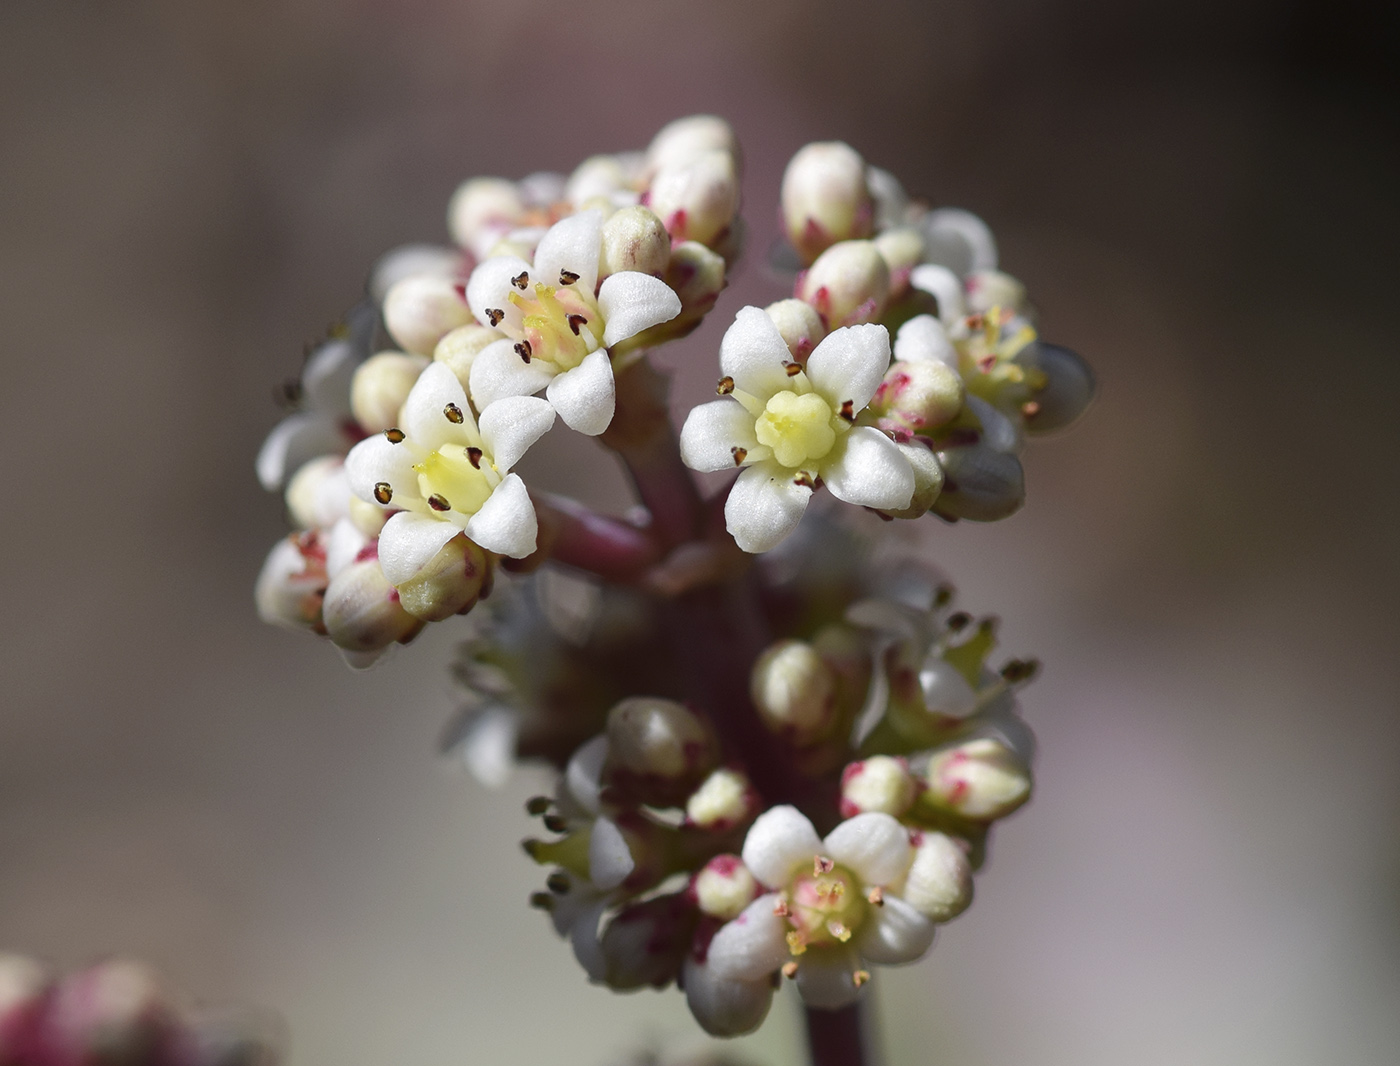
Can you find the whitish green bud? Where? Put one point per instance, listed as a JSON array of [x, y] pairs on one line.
[[597, 177], [928, 478], [449, 584], [902, 249], [879, 783], [419, 311], [980, 484], [794, 690], [362, 612], [679, 142], [915, 397], [825, 198], [657, 748], [367, 517], [939, 882], [380, 386], [799, 324], [292, 583], [696, 200], [634, 239], [724, 887], [979, 779], [460, 348], [848, 284], [1068, 389], [318, 495], [723, 800], [481, 210]]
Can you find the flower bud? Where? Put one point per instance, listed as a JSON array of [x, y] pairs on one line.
[[634, 239], [697, 200], [114, 1012], [939, 882], [825, 198], [681, 141], [980, 779], [543, 188], [520, 242], [380, 386], [646, 943], [697, 276], [419, 311], [450, 583], [724, 800], [902, 248], [922, 339], [22, 985], [991, 288], [460, 348], [848, 284], [980, 484], [597, 177], [362, 612], [915, 397], [292, 584], [958, 240], [794, 690], [1068, 389], [800, 326], [318, 495], [481, 210], [410, 260], [879, 783], [724, 887], [657, 749], [368, 518]]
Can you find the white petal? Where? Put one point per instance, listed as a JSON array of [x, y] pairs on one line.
[[488, 288], [850, 363], [409, 259], [510, 425], [923, 339], [293, 441], [753, 353], [497, 372], [325, 379], [869, 471], [408, 541], [959, 240], [765, 505], [609, 858], [425, 412], [587, 945], [945, 689], [584, 396], [779, 843], [506, 523], [752, 945], [999, 433], [874, 846], [488, 749], [944, 286], [584, 775], [631, 301], [895, 933], [711, 432], [376, 459], [344, 543], [826, 977], [724, 1006], [889, 616], [572, 244]]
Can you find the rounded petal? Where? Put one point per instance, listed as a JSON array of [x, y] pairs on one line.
[[765, 505], [869, 471], [506, 523], [609, 858], [498, 371], [488, 749], [874, 846], [850, 363], [894, 933], [510, 425], [295, 440], [959, 240], [325, 380], [999, 433], [924, 339], [631, 302], [489, 287], [943, 285], [342, 546], [436, 395], [711, 433], [826, 977], [751, 946], [408, 540], [779, 842], [572, 244], [724, 1006], [587, 945], [583, 777], [377, 460], [585, 396], [753, 353]]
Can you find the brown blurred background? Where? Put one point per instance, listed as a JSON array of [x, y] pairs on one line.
[[1202, 198]]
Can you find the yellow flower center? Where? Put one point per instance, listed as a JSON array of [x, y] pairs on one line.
[[559, 325], [455, 478], [797, 428]]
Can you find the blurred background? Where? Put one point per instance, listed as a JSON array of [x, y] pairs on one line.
[[1202, 198]]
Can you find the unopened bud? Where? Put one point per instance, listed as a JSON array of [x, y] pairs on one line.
[[848, 284], [520, 243], [292, 583], [1068, 389], [450, 583], [410, 260], [380, 386], [800, 325], [368, 518], [879, 783], [696, 200], [481, 210], [923, 339], [697, 276], [724, 887], [634, 239], [980, 484], [681, 141], [657, 749], [362, 612], [902, 249], [318, 495], [543, 188], [939, 882], [419, 311], [597, 177], [915, 397], [825, 198], [724, 800], [958, 240], [794, 690], [460, 348], [981, 779], [991, 288], [646, 942]]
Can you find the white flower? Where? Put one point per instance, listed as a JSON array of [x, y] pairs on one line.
[[791, 426], [445, 473], [831, 906], [558, 331]]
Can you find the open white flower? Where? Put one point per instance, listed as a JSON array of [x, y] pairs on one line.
[[831, 909], [445, 473], [558, 331], [793, 426]]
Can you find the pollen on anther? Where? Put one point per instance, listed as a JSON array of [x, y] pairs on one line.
[[521, 281], [789, 970], [725, 386], [474, 457], [438, 502], [558, 883], [781, 908], [860, 977], [383, 492], [452, 413], [567, 277], [524, 350], [575, 321], [740, 454], [848, 410], [876, 896], [394, 436], [494, 315]]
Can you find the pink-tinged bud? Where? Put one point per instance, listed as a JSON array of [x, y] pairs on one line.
[[902, 249], [980, 779], [481, 210], [980, 484], [799, 324], [634, 239], [646, 943], [917, 397], [958, 240], [23, 984], [410, 260], [599, 177], [696, 200], [724, 887], [292, 584], [1068, 388], [380, 386], [459, 349], [848, 284], [723, 801], [114, 1012], [939, 882], [318, 495], [991, 288], [794, 690], [880, 783], [825, 198], [450, 583], [657, 750], [362, 612], [420, 311], [681, 141]]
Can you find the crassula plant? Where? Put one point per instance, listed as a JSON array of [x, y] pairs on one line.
[[780, 746]]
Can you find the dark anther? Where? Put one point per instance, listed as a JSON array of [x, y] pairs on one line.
[[1018, 670], [474, 457], [453, 413], [558, 883], [805, 480], [494, 315], [542, 901], [556, 823], [575, 321], [567, 277], [521, 281], [740, 454], [943, 595], [537, 805], [725, 386], [383, 492], [438, 502], [793, 369], [958, 622], [524, 350], [394, 436], [848, 411]]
